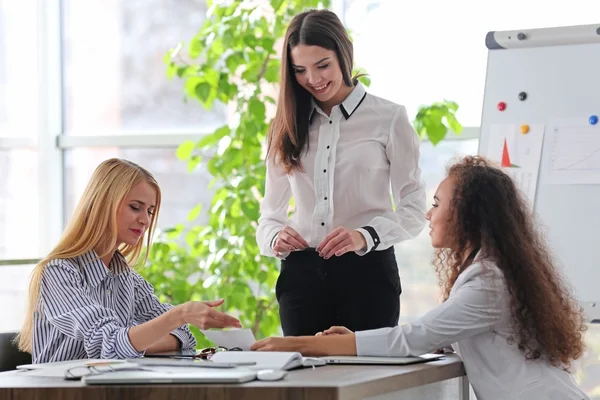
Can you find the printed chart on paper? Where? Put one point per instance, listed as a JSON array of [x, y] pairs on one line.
[[574, 155], [518, 154]]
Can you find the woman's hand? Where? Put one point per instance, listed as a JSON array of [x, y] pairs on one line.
[[335, 330], [315, 346], [288, 240], [289, 343], [203, 315], [341, 241]]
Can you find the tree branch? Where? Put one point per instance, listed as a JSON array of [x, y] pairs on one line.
[[260, 309], [263, 69]]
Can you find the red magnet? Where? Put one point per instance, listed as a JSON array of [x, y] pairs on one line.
[[502, 106]]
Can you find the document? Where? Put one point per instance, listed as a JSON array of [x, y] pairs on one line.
[[59, 369], [242, 338], [518, 154], [574, 154]]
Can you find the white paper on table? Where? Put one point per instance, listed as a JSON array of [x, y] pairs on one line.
[[242, 338]]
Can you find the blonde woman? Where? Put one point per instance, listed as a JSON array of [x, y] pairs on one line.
[[84, 299]]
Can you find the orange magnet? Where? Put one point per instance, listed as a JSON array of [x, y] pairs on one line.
[[524, 129]]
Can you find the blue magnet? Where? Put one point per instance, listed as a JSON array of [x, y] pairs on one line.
[[594, 119]]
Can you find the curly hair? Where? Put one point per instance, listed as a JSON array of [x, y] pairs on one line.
[[488, 213]]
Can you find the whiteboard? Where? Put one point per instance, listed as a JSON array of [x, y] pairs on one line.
[[558, 69]]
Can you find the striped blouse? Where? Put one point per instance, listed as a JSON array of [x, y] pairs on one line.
[[86, 310]]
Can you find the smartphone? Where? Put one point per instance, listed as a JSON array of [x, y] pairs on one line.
[[187, 353]]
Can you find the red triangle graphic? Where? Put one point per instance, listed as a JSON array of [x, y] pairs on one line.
[[505, 157]]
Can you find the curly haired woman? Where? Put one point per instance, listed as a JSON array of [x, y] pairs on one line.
[[507, 311]]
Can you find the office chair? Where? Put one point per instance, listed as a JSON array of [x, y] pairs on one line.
[[10, 355]]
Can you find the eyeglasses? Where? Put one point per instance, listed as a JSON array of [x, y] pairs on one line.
[[76, 373], [207, 353]]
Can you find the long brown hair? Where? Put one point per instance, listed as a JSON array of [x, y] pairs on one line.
[[488, 212], [288, 132]]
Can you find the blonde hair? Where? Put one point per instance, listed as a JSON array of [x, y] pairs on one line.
[[93, 226]]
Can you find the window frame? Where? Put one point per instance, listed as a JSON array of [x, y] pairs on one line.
[[51, 142]]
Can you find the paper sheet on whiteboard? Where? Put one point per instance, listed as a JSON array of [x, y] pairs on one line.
[[574, 154], [518, 154]]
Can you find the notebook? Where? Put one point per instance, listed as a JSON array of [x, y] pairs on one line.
[[362, 360], [267, 359], [171, 375]]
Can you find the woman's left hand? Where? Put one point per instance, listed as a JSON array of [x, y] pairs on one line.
[[341, 241], [276, 344], [310, 346]]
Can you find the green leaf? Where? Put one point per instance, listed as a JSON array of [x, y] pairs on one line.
[[436, 132], [365, 80], [181, 71], [272, 71], [195, 47], [207, 140], [250, 40], [222, 132], [185, 149], [202, 91], [453, 123], [257, 109], [251, 74], [171, 70], [193, 162], [251, 210], [276, 4], [195, 212], [234, 61], [212, 77], [267, 43]]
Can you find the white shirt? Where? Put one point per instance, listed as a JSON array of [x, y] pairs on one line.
[[354, 155], [476, 321]]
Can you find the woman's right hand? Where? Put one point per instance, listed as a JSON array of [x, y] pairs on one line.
[[288, 240], [335, 330], [203, 315]]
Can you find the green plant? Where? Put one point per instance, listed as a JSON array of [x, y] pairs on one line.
[[233, 61], [432, 121]]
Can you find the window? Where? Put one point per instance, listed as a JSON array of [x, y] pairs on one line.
[[19, 205], [434, 50], [14, 286], [18, 68], [114, 72], [180, 190]]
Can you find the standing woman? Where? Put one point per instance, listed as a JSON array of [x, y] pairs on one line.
[[337, 150]]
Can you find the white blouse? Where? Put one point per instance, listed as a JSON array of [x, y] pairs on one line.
[[476, 321], [354, 157]]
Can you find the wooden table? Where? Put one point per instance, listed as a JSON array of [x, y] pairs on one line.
[[444, 380]]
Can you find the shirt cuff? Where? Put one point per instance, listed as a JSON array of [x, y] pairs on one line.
[[281, 256], [273, 239], [185, 337], [373, 342], [124, 348], [368, 239]]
